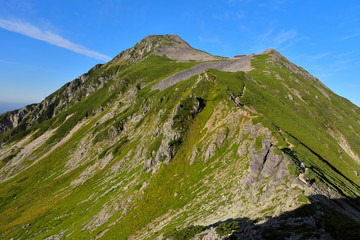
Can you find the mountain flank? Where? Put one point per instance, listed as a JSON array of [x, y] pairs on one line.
[[168, 142]]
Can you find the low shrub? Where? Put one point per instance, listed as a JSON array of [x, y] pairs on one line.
[[187, 233], [227, 228]]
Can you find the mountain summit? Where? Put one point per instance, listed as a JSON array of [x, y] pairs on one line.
[[172, 46], [169, 142]]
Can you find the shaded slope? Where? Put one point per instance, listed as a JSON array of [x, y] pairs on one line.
[[310, 221]]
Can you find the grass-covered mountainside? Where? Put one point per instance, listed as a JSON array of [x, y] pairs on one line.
[[147, 146]]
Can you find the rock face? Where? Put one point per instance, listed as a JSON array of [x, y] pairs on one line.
[[172, 46], [208, 235], [177, 49], [71, 92], [184, 145], [12, 119], [173, 130]]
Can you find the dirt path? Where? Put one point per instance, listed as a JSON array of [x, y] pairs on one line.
[[234, 65]]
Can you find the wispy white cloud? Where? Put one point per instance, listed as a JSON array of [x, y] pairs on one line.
[[344, 55], [235, 1], [320, 56], [274, 39], [229, 15], [242, 28], [284, 36], [214, 39], [350, 36], [49, 37], [265, 37], [239, 15], [4, 61]]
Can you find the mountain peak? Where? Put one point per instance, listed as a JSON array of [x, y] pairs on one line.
[[170, 45], [273, 52], [169, 39]]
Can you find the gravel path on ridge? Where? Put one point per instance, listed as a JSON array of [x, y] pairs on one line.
[[234, 65]]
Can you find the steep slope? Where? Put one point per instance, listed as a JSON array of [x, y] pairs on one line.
[[170, 45], [152, 141]]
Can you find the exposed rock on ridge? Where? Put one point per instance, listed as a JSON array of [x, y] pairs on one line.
[[53, 104], [172, 46], [12, 119]]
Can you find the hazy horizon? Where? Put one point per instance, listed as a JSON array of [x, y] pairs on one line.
[[10, 106]]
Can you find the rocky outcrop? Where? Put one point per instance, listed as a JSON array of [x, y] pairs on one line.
[[272, 165], [53, 104], [265, 160], [177, 49], [12, 119], [173, 130], [170, 45], [208, 234]]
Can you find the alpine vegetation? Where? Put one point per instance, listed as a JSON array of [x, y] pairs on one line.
[[168, 142]]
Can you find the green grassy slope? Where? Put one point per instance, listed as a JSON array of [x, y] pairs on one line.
[[308, 120], [105, 180]]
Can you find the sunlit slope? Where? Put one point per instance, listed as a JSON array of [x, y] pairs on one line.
[[113, 159]]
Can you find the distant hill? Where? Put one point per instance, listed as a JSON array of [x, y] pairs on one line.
[[9, 106], [169, 142]]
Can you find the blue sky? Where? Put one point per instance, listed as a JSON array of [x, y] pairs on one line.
[[44, 44]]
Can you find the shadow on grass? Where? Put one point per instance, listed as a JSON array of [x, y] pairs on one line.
[[323, 218]]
